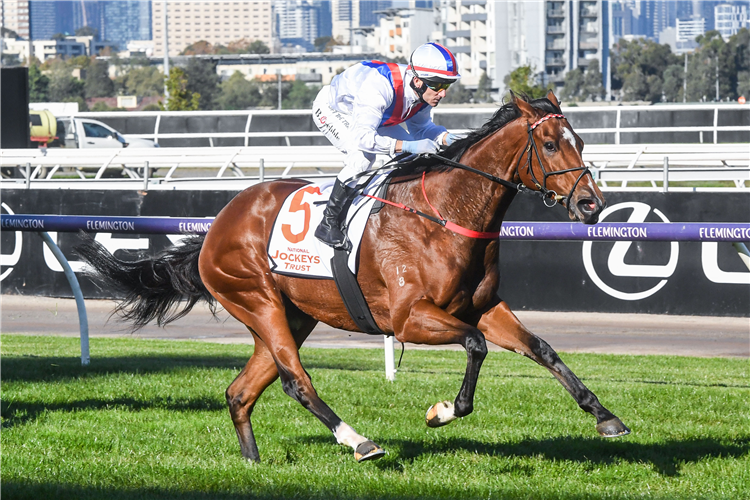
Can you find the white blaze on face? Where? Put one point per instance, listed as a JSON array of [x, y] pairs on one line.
[[567, 134], [346, 435]]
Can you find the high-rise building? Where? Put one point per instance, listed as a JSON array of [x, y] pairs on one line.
[[14, 16], [401, 31], [729, 19], [296, 22], [213, 22], [349, 14], [323, 11], [553, 37], [125, 20]]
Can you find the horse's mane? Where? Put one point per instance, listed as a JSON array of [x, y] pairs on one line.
[[504, 115]]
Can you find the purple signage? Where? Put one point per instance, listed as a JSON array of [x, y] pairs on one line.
[[570, 231]]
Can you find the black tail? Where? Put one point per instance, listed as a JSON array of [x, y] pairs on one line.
[[164, 287]]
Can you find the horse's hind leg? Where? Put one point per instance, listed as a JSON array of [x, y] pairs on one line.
[[271, 326], [500, 326], [259, 372]]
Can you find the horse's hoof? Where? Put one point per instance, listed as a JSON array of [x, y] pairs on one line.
[[368, 451], [612, 428], [440, 414]]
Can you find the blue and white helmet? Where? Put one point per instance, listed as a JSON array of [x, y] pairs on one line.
[[434, 63]]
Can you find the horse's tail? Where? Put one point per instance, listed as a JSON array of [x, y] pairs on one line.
[[162, 288]]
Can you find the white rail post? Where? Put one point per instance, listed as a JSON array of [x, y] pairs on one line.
[[83, 320], [665, 186], [28, 175], [262, 174], [145, 176], [390, 361]]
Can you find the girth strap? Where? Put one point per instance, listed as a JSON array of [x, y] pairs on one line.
[[351, 293]]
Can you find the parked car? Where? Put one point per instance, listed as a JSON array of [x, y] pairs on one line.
[[72, 132]]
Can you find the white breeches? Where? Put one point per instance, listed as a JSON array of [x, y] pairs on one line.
[[336, 126]]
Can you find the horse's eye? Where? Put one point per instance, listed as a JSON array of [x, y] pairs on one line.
[[549, 146]]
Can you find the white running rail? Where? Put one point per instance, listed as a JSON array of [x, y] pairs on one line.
[[233, 167]]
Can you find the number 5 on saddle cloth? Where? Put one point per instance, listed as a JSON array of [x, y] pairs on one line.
[[293, 250]]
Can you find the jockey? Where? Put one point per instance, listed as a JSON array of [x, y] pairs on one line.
[[359, 112]]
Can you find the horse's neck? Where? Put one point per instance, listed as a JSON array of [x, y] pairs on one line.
[[470, 200]]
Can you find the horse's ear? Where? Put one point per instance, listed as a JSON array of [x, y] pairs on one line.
[[524, 107], [553, 99]]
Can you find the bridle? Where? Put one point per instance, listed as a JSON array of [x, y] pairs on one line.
[[541, 188], [547, 194]]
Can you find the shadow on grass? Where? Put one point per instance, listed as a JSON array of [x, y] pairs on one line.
[[56, 369], [15, 414], [666, 457]]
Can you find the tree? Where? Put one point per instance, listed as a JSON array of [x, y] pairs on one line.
[[201, 47], [62, 85], [300, 96], [484, 86], [523, 80], [593, 89], [202, 79], [674, 77], [638, 67], [712, 54], [457, 94], [142, 81], [8, 33], [38, 85], [258, 47], [573, 86], [87, 31], [180, 99], [321, 43], [239, 93], [98, 82], [59, 36]]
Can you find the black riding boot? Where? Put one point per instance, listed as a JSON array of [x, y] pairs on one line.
[[329, 231]]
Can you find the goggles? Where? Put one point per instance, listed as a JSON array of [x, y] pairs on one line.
[[437, 87]]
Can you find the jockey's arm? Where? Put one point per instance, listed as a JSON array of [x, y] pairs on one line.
[[421, 126], [369, 106]]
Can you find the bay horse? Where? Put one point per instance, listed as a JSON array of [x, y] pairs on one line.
[[424, 283]]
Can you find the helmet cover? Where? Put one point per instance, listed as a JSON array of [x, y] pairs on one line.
[[433, 62]]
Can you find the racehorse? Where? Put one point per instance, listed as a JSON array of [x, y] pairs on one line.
[[425, 283]]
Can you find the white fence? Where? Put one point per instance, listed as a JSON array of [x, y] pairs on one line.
[[235, 168], [700, 123]]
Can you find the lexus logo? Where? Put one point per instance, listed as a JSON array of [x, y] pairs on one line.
[[616, 261]]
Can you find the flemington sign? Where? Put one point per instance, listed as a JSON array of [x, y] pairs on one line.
[[534, 231]]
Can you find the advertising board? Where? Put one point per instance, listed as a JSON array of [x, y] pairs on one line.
[[656, 277]]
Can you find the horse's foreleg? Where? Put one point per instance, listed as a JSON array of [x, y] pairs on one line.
[[500, 326], [428, 324]]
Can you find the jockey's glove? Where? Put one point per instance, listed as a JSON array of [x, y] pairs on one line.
[[419, 147], [451, 138]]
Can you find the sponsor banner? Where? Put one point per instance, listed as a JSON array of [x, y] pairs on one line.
[[135, 225], [705, 277]]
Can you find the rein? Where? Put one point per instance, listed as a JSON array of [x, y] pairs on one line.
[[541, 189]]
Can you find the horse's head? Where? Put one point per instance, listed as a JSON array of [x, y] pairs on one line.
[[552, 163]]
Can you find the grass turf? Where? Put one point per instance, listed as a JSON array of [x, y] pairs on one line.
[[147, 419]]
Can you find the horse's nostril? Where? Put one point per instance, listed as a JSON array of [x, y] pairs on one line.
[[587, 206]]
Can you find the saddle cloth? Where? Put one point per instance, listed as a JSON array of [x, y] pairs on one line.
[[294, 250]]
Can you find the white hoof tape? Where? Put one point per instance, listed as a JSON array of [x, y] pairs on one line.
[[440, 414]]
